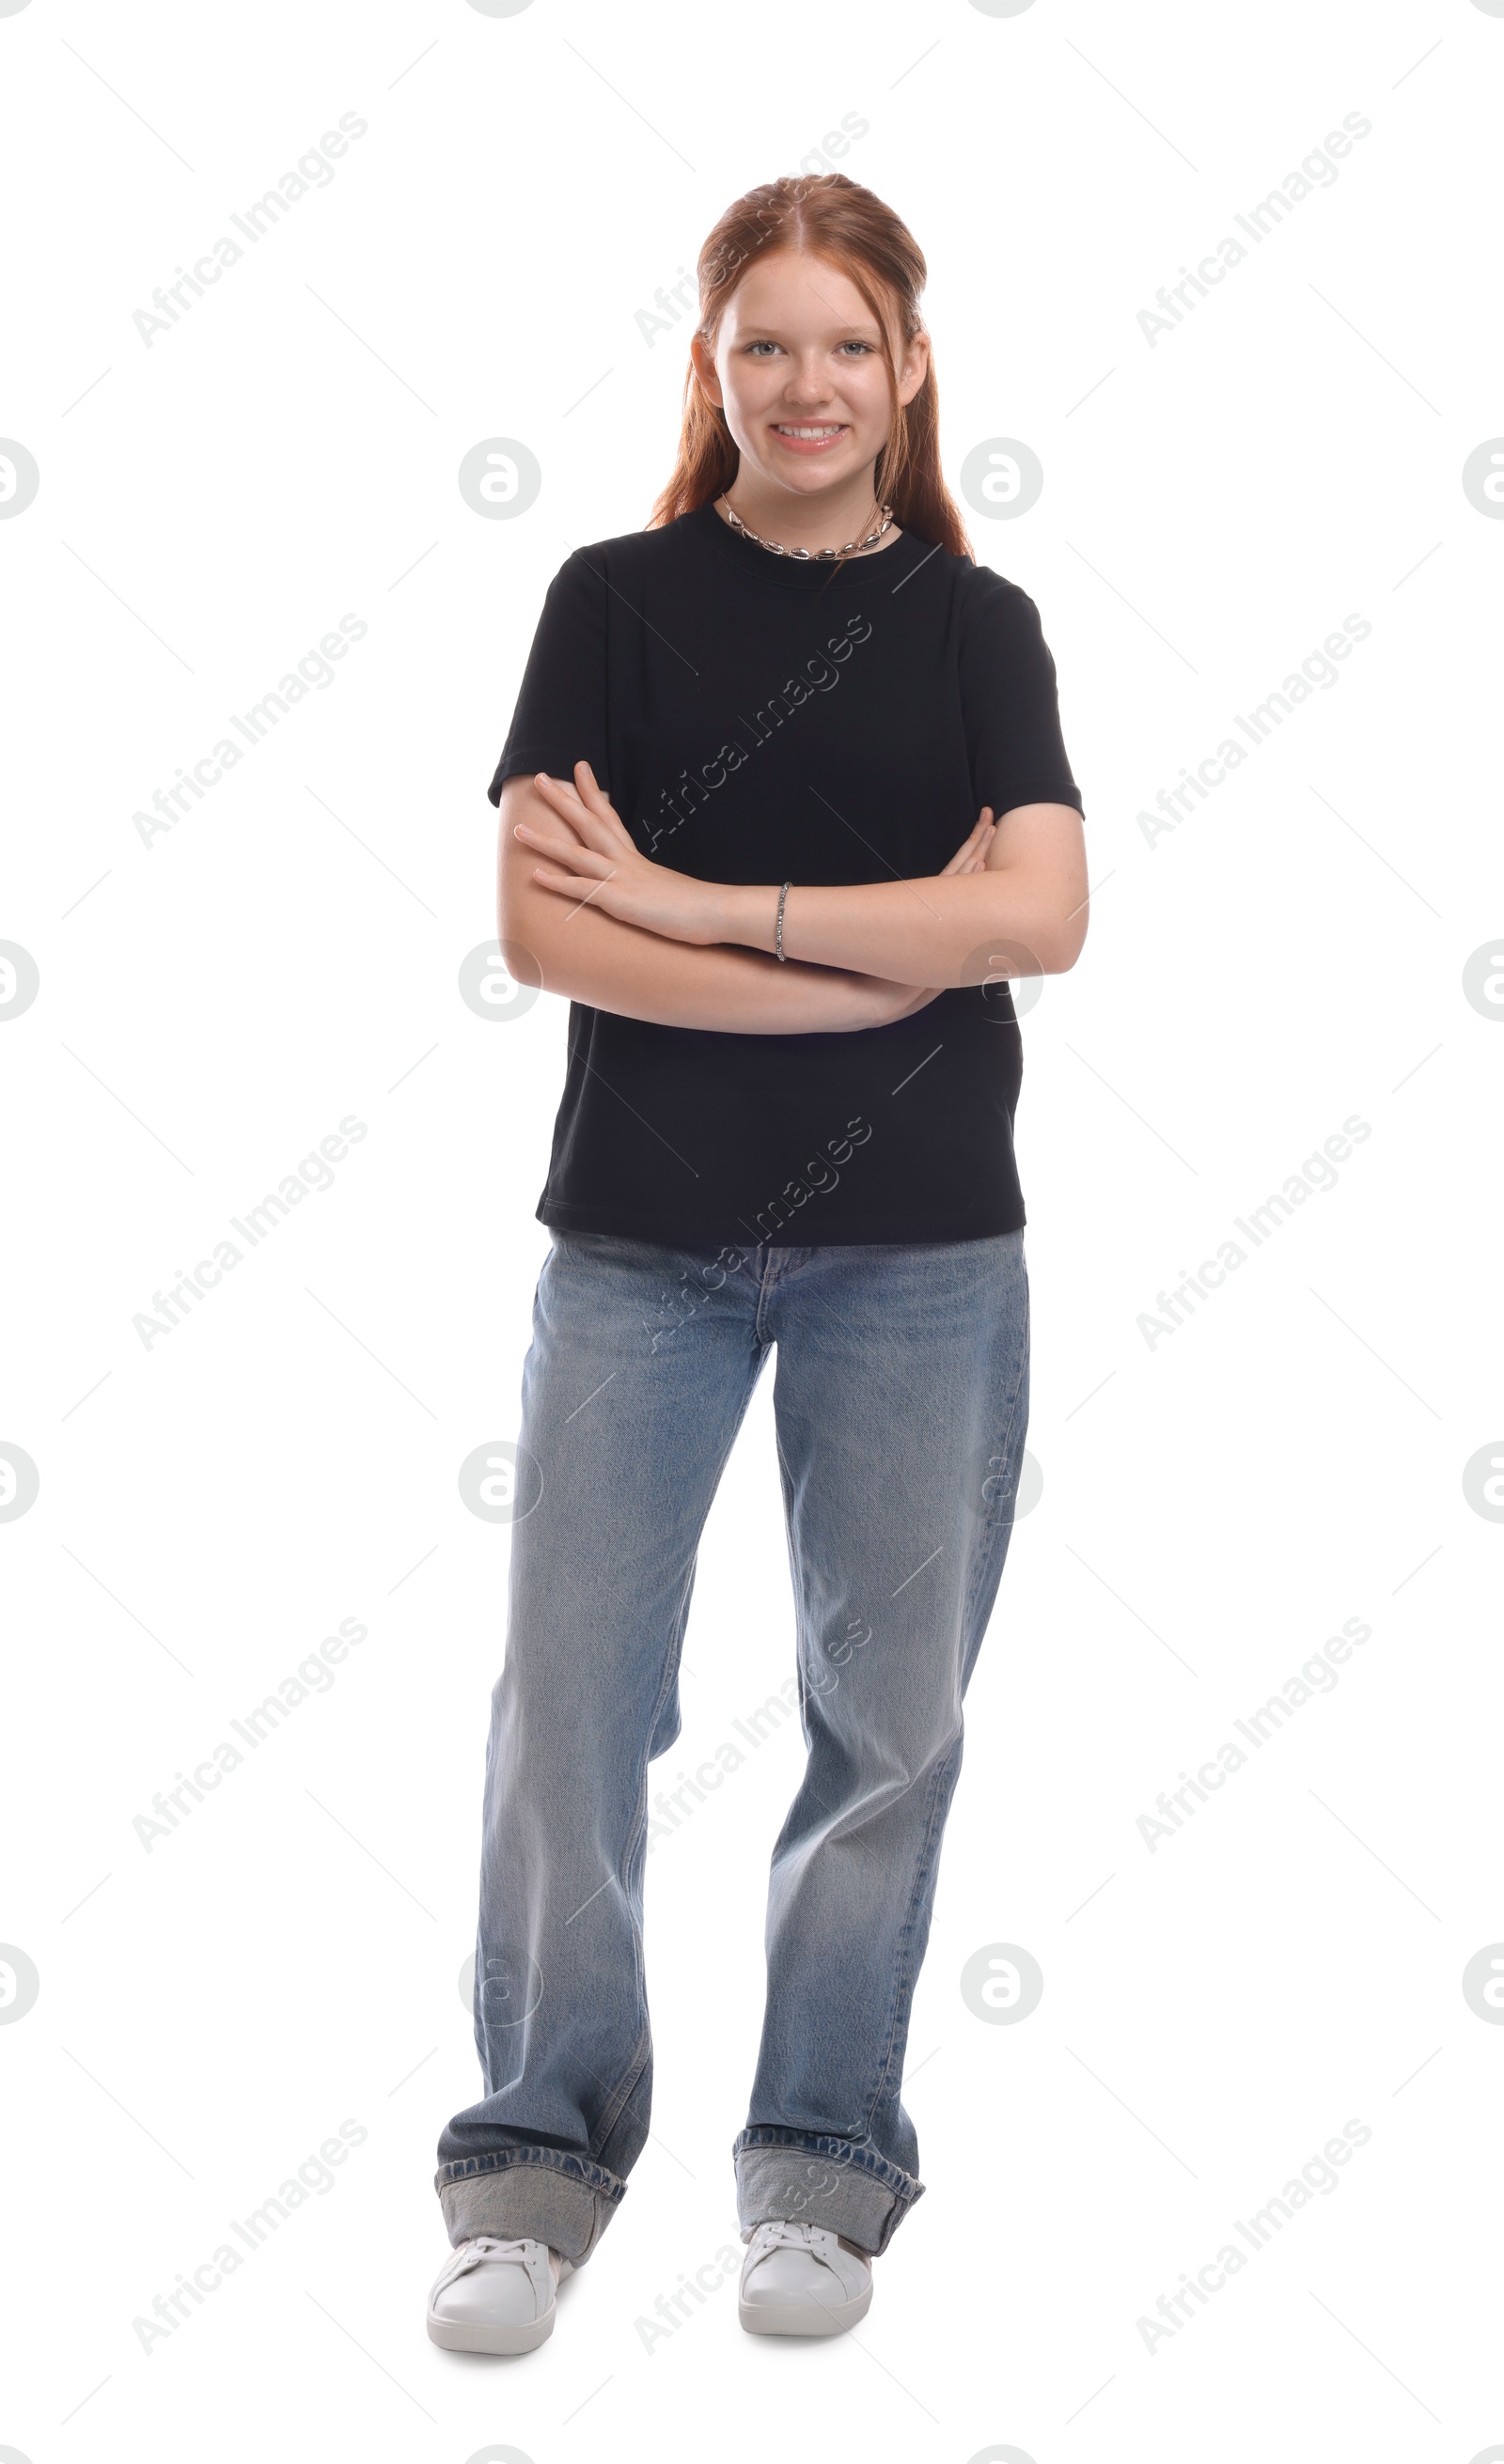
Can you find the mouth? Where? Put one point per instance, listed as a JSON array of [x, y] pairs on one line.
[[810, 436]]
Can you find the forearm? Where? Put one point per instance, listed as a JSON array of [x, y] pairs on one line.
[[1012, 900], [573, 947], [934, 930], [613, 966]]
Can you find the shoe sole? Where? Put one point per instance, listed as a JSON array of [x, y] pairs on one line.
[[803, 2318], [475, 2336]]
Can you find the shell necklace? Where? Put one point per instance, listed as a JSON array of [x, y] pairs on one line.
[[808, 555]]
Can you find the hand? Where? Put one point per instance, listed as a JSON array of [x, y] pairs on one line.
[[887, 1002], [592, 857], [971, 856]]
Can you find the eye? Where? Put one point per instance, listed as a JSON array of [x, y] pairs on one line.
[[857, 347], [761, 346]]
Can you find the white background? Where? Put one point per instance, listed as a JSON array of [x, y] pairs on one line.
[[1213, 1507]]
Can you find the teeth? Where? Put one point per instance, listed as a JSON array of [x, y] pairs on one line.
[[835, 430]]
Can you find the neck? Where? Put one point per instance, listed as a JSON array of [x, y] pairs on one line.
[[830, 519]]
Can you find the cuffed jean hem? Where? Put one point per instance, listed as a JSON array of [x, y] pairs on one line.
[[532, 2191], [850, 2190]]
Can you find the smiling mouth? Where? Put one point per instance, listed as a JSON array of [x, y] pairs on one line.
[[810, 435]]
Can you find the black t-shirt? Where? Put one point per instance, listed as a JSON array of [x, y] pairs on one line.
[[755, 718]]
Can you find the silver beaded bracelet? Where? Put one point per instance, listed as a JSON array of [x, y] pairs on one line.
[[777, 944]]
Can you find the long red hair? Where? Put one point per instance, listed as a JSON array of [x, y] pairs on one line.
[[832, 217]]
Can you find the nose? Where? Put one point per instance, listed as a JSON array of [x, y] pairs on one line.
[[809, 381]]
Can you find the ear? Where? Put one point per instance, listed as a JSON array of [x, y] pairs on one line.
[[914, 368], [704, 367]]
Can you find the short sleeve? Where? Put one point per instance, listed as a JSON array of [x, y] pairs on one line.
[[561, 712], [1009, 701]]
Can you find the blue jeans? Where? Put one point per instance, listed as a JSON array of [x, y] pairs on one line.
[[901, 1396]]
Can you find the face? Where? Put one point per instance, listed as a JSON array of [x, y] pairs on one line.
[[799, 370]]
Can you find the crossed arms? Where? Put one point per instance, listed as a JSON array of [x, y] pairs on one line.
[[583, 912]]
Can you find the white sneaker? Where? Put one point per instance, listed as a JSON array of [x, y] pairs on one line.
[[800, 2280], [495, 2297]]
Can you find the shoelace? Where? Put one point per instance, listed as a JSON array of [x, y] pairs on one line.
[[487, 2246], [789, 2232]]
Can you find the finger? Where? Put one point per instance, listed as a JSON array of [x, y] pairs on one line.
[[573, 862], [554, 838], [550, 834], [598, 804], [589, 787], [593, 823], [560, 790], [971, 854], [588, 811], [573, 885], [561, 798]]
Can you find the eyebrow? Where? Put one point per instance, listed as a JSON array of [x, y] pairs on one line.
[[843, 332]]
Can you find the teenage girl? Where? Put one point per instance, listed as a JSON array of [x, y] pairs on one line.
[[784, 805]]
